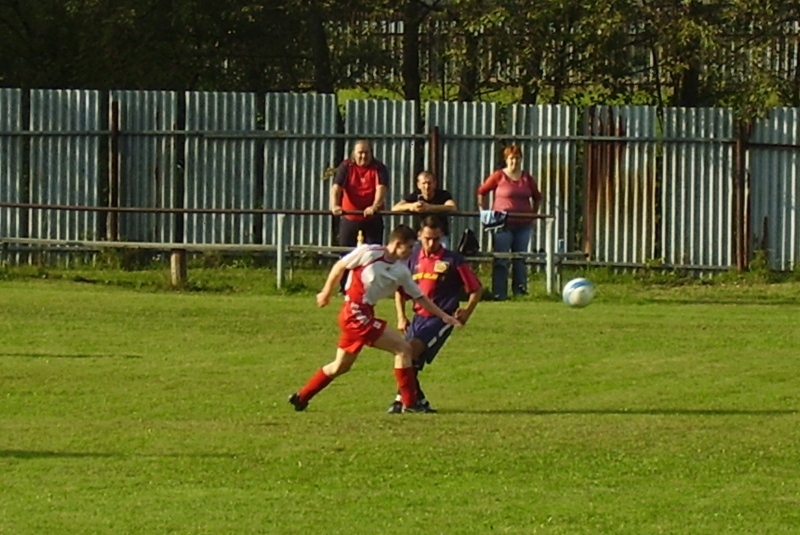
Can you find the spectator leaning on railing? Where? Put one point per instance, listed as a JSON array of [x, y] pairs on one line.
[[515, 190], [360, 185], [428, 199]]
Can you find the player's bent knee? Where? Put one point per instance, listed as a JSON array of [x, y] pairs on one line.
[[392, 342], [333, 369], [405, 354], [341, 365], [338, 369]]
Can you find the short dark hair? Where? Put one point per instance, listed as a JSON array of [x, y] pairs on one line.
[[403, 233], [512, 150], [426, 174], [431, 221]]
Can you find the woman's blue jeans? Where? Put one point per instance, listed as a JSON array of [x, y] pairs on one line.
[[513, 239]]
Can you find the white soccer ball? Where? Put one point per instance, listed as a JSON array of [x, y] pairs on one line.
[[578, 292]]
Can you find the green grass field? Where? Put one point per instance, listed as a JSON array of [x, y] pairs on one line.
[[654, 410]]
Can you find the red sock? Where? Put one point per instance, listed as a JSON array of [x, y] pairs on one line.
[[317, 382], [406, 383]]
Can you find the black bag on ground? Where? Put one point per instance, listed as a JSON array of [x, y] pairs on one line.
[[468, 245]]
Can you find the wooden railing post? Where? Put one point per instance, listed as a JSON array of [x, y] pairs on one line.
[[177, 268], [280, 220]]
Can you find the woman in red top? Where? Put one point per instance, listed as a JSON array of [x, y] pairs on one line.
[[514, 190], [359, 186]]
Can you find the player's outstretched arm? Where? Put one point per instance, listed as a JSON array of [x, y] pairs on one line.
[[431, 307], [400, 307], [335, 275], [463, 314]]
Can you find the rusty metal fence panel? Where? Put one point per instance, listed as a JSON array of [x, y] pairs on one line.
[[697, 224], [552, 162], [391, 127], [65, 165], [620, 188], [775, 188], [220, 167], [300, 153], [654, 189], [147, 162], [468, 155], [12, 188]]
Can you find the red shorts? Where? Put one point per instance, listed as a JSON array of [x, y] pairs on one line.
[[359, 327]]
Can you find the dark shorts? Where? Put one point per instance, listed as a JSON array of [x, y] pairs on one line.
[[372, 229], [432, 332]]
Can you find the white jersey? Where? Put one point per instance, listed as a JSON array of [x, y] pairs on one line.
[[373, 277]]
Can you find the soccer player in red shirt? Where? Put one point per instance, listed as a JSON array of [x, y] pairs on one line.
[[441, 274], [360, 185], [376, 272]]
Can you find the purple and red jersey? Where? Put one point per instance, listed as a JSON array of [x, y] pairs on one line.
[[441, 277]]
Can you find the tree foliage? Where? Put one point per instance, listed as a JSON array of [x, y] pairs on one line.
[[735, 53]]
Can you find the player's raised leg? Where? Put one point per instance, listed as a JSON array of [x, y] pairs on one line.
[[323, 377]]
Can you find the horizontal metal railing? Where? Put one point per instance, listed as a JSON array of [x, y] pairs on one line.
[[282, 249]]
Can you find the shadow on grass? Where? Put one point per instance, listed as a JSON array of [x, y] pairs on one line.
[[745, 300], [630, 412], [48, 454], [71, 356], [186, 455]]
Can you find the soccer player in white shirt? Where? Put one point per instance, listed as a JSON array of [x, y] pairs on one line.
[[376, 272]]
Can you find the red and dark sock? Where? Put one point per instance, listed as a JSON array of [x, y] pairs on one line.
[[407, 384], [314, 385]]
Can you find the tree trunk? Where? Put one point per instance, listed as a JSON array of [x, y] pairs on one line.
[[468, 75], [411, 75], [690, 87], [323, 73], [532, 85], [796, 81]]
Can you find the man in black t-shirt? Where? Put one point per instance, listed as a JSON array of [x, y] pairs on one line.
[[429, 200]]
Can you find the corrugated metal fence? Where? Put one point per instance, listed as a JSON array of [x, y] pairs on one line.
[[65, 163], [697, 190], [148, 161], [297, 166], [628, 185], [775, 187], [469, 152], [620, 184], [12, 188]]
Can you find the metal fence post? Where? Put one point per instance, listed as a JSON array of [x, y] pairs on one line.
[[549, 253], [280, 220], [112, 218]]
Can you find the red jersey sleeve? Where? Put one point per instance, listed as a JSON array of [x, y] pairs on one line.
[[536, 195], [468, 278], [490, 184]]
